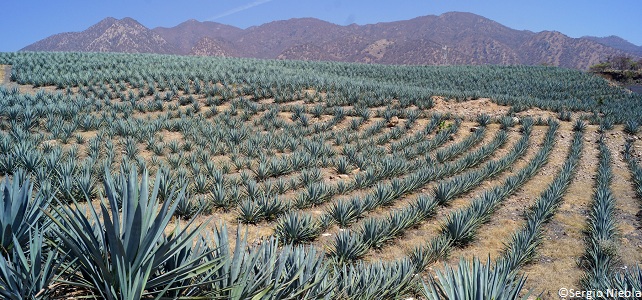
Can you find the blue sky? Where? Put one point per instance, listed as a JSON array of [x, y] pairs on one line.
[[24, 22]]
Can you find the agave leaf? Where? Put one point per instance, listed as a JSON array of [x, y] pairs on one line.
[[121, 255]]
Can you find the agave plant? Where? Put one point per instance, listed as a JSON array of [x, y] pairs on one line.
[[297, 228], [461, 226], [345, 212], [19, 213], [601, 256], [374, 232], [377, 280], [436, 249], [27, 273], [186, 207], [122, 252], [265, 272], [506, 122], [474, 281], [631, 126], [348, 247], [605, 125], [270, 207], [250, 212], [483, 119], [579, 126]]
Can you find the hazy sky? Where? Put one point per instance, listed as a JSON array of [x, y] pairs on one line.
[[26, 21]]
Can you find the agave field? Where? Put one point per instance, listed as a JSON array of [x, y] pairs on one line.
[[165, 177]]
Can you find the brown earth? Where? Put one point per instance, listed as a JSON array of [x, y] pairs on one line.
[[5, 72]]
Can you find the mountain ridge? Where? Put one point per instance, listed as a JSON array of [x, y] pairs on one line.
[[449, 38]]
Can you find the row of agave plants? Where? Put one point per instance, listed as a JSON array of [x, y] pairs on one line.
[[129, 248], [601, 258], [519, 86], [523, 243], [126, 249], [258, 207], [460, 227], [25, 155], [501, 280], [376, 232], [634, 167], [300, 227], [601, 250]]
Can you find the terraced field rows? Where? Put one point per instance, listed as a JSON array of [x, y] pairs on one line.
[[341, 182]]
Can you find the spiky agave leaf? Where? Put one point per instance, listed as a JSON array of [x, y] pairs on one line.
[[295, 228], [631, 280], [347, 247], [474, 281], [299, 273], [28, 272], [192, 255], [249, 212], [121, 251], [345, 212], [265, 272], [19, 212], [375, 280]]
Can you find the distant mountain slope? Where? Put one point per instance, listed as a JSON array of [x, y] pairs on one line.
[[188, 34], [210, 47], [109, 35], [450, 38], [617, 43], [557, 49]]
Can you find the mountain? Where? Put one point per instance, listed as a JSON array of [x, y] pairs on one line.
[[210, 47], [617, 43], [450, 38], [109, 35], [189, 34]]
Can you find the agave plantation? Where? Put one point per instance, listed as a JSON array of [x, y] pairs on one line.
[[163, 177]]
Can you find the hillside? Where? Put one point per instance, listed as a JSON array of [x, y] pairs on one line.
[[108, 35], [450, 38], [282, 178], [617, 43]]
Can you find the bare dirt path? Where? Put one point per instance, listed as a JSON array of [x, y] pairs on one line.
[[430, 228], [627, 204], [555, 264], [509, 216], [5, 71]]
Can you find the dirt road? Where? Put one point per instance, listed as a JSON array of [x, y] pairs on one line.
[[4, 74]]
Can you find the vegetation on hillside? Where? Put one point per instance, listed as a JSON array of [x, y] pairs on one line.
[[299, 149], [624, 69]]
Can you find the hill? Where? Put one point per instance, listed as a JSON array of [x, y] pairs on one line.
[[617, 43], [325, 175], [109, 35], [450, 38]]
